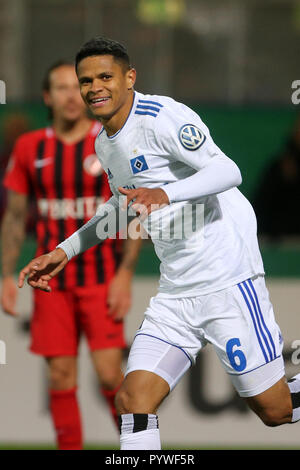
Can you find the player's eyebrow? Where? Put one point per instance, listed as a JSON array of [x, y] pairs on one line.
[[84, 79], [89, 79], [104, 74]]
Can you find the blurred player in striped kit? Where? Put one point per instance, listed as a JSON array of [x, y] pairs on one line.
[[161, 156], [58, 167]]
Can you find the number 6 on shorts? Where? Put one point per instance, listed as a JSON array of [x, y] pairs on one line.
[[236, 358]]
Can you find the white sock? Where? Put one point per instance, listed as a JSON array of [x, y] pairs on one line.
[[294, 386], [139, 432], [141, 440]]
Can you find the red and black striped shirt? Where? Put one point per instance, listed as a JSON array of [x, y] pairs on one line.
[[68, 184]]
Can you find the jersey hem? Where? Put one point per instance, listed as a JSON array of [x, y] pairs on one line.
[[196, 293], [12, 187], [255, 368]]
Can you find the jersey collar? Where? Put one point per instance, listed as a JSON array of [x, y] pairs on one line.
[[112, 137]]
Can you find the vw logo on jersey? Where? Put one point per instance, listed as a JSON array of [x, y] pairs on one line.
[[191, 138], [138, 164]]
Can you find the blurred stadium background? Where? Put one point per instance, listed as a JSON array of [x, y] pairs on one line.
[[234, 63]]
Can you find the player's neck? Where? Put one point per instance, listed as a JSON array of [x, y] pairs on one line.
[[71, 131], [117, 121]]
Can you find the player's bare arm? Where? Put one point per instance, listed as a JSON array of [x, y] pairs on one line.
[[12, 237], [42, 269], [119, 295]]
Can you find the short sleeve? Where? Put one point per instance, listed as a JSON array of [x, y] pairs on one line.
[[17, 177]]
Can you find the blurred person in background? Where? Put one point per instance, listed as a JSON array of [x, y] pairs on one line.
[[277, 195], [59, 167]]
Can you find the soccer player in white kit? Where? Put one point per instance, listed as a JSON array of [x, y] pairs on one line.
[[160, 156]]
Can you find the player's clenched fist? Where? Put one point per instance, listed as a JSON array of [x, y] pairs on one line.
[[146, 200], [42, 269]]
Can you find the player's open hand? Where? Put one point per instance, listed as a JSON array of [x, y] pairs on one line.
[[9, 295], [145, 200], [42, 269]]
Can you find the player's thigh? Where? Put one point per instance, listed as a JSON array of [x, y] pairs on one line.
[[158, 356], [162, 351], [100, 329], [242, 328]]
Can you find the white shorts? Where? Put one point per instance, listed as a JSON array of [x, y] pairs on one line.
[[238, 321]]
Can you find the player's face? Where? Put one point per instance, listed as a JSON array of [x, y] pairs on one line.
[[64, 95], [106, 87]]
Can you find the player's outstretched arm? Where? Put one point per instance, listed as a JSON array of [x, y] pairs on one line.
[[105, 224], [42, 269]]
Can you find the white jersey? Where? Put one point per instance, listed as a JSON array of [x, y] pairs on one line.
[[162, 142]]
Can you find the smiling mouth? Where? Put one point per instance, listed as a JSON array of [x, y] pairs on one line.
[[98, 101]]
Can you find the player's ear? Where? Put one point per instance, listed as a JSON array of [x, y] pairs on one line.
[[47, 99], [131, 78]]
